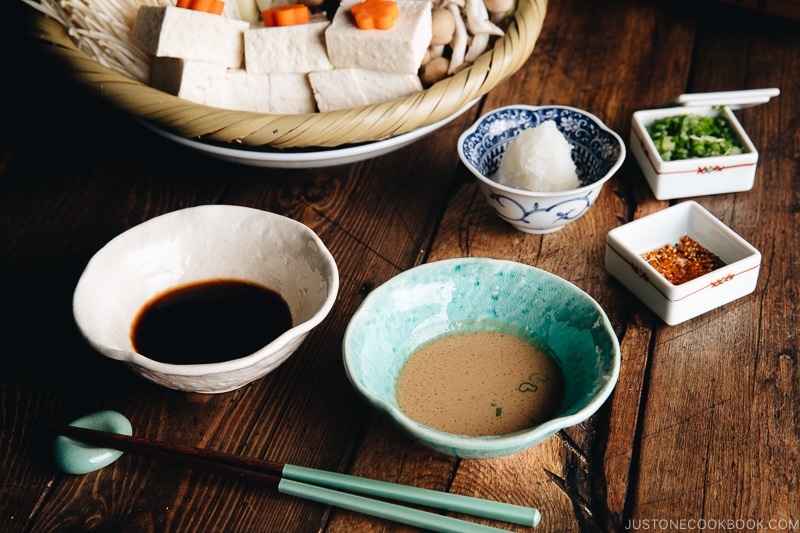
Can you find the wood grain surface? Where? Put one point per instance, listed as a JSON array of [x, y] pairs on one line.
[[703, 426]]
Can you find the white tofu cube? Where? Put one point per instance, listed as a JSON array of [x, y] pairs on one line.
[[186, 79], [242, 91], [349, 87], [189, 34], [398, 50], [210, 84], [290, 93], [299, 48], [214, 85]]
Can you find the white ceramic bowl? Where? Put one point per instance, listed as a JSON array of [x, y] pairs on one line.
[[478, 294], [198, 244], [692, 177], [678, 303], [598, 153]]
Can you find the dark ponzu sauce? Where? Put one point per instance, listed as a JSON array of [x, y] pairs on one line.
[[209, 322]]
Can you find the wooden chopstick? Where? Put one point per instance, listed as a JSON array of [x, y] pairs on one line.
[[316, 485]]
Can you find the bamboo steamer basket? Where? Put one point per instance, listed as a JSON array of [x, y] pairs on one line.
[[326, 130]]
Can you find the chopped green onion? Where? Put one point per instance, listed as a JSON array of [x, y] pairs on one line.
[[498, 411], [692, 136]]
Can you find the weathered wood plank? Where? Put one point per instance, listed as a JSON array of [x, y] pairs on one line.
[[703, 423], [722, 376]]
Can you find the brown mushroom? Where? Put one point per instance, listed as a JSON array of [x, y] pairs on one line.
[[499, 6], [443, 26], [434, 70]]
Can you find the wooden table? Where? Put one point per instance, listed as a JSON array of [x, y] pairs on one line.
[[703, 426]]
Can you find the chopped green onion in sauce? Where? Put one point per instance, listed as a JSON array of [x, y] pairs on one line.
[[498, 411], [692, 136]]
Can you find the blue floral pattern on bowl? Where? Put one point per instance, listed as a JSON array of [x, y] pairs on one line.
[[598, 152]]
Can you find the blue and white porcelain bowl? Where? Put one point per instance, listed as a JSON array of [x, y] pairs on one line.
[[479, 294], [598, 152]]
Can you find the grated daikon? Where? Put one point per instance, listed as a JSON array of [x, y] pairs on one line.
[[539, 159]]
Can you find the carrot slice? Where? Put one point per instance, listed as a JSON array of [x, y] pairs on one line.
[[375, 14], [286, 15], [209, 6]]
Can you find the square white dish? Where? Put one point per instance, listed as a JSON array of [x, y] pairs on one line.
[[692, 177], [677, 303]]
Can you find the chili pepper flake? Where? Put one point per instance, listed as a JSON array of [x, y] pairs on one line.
[[684, 261]]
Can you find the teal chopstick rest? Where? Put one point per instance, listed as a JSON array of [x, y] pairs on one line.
[[75, 457]]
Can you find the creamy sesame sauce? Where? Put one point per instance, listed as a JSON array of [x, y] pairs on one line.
[[480, 383]]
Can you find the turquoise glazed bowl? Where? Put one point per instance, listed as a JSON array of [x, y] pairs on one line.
[[472, 294]]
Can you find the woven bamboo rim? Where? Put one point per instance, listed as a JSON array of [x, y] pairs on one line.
[[331, 129]]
